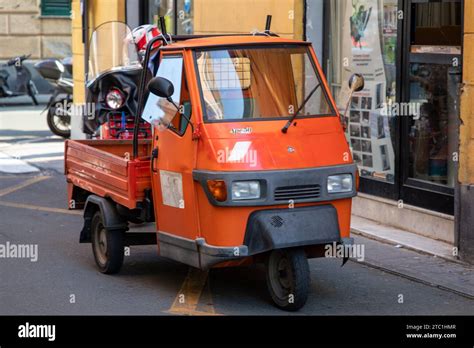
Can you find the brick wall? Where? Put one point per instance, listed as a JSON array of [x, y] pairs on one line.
[[23, 31]]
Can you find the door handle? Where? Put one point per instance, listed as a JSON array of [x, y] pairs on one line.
[[154, 156]]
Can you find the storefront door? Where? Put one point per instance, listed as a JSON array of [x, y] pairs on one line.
[[432, 74], [403, 125]]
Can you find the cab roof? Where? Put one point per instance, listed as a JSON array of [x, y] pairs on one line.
[[231, 40]]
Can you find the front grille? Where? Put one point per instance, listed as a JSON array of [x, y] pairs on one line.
[[276, 221], [297, 192]]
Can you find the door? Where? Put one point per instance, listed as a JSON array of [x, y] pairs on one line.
[[173, 152], [432, 75], [409, 51]]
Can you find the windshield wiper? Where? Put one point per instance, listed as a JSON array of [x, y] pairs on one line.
[[284, 130]]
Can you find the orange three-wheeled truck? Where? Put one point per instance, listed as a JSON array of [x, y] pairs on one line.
[[248, 162]]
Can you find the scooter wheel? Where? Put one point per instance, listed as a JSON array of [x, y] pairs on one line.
[[59, 125], [107, 246], [32, 91], [288, 279]]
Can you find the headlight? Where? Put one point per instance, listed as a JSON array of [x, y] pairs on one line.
[[340, 183], [114, 99], [245, 190]]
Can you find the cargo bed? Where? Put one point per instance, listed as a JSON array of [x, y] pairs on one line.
[[104, 168]]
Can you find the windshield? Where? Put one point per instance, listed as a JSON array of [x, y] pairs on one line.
[[111, 47], [260, 83]]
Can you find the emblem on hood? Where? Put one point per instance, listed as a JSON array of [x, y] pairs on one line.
[[291, 149], [236, 131]]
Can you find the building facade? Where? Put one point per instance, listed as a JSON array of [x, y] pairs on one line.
[[407, 129], [41, 28]]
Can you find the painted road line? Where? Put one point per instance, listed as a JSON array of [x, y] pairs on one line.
[[46, 159], [12, 165], [39, 208], [22, 185], [187, 300]]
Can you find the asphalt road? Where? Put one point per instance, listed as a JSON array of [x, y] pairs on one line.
[[64, 279]]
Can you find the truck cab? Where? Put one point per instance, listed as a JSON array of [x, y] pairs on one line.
[[249, 151]]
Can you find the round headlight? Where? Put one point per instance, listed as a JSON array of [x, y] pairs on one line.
[[114, 99]]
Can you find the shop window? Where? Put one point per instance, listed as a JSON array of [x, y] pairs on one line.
[[178, 15], [437, 24], [432, 134], [434, 79], [56, 8], [363, 39]]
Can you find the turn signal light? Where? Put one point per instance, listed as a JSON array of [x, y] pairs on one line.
[[218, 189]]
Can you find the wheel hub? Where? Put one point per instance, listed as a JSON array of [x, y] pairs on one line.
[[102, 245]]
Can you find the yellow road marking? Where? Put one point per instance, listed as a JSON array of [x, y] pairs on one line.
[[39, 208], [22, 185], [187, 300]]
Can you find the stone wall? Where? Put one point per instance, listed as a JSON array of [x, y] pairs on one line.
[[23, 31], [244, 16]]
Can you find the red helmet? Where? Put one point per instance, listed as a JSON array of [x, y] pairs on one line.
[[143, 34]]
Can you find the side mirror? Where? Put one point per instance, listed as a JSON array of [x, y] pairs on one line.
[[161, 87], [356, 83]]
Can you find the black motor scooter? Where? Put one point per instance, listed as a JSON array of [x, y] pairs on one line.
[[60, 103], [24, 84]]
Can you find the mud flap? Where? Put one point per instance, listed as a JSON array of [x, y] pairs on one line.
[[346, 242]]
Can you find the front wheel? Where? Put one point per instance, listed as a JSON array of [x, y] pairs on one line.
[[107, 246], [32, 92], [288, 278]]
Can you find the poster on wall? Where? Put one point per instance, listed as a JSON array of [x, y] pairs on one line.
[[365, 44]]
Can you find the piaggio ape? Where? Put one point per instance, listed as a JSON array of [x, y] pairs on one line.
[[248, 162]]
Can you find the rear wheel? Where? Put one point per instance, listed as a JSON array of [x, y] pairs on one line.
[[288, 278], [107, 246]]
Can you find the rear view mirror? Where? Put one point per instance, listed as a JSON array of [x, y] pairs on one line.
[[356, 83], [161, 87]]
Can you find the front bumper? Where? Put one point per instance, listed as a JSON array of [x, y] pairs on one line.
[[266, 230], [288, 228]]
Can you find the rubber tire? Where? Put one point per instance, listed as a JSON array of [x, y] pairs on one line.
[[115, 246], [299, 279], [52, 126]]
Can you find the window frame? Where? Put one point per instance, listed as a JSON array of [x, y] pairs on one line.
[[47, 9], [171, 55]]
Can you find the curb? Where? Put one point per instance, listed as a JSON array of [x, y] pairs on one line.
[[407, 246]]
